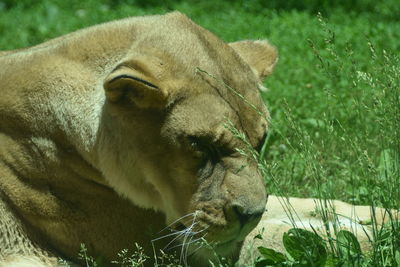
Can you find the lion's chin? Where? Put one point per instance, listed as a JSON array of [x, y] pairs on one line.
[[226, 252]]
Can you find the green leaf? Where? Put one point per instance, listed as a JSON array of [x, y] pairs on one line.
[[332, 261], [262, 263], [271, 256], [348, 244], [259, 236], [397, 257], [305, 247]]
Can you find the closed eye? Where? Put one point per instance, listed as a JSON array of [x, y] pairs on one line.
[[204, 147], [208, 149]]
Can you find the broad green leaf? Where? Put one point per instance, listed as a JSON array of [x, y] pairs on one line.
[[271, 256], [305, 247], [348, 244]]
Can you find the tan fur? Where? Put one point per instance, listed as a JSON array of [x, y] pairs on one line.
[[23, 261], [110, 133]]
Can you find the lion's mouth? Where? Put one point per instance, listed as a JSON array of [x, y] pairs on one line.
[[193, 243], [227, 248], [196, 234]]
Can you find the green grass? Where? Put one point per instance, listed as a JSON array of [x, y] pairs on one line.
[[334, 97]]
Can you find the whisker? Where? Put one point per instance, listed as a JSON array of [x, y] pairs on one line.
[[178, 234], [177, 220], [183, 232], [183, 254], [184, 223], [182, 250], [192, 235], [187, 236], [188, 243], [170, 234], [187, 248]]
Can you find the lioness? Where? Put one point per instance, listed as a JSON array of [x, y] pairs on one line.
[[111, 133]]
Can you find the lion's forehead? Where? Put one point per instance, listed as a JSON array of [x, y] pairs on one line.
[[215, 84], [183, 47]]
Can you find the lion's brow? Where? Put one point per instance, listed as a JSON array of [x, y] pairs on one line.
[[225, 99]]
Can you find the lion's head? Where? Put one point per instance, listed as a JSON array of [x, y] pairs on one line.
[[166, 145]]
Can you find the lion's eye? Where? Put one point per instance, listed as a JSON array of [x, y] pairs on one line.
[[195, 144], [203, 149]]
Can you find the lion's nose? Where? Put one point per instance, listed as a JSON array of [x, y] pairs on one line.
[[247, 216]]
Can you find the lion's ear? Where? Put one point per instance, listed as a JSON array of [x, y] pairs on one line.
[[260, 55], [126, 84]]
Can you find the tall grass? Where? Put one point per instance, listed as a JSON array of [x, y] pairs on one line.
[[339, 148], [364, 143]]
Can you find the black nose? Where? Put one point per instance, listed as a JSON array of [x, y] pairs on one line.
[[247, 216]]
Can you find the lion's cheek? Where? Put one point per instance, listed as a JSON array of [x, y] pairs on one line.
[[176, 197], [148, 182]]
